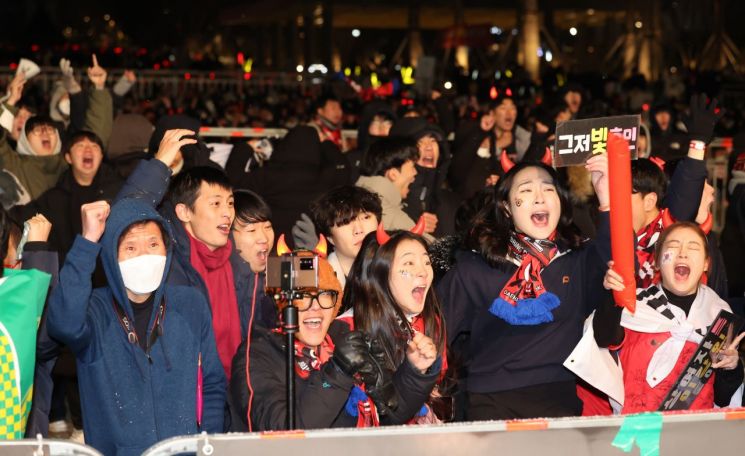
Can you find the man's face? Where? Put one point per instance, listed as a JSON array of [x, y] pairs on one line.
[[18, 122], [429, 151], [505, 115], [43, 139], [253, 241], [347, 239], [85, 158], [663, 120], [142, 239], [210, 219], [331, 111], [402, 177]]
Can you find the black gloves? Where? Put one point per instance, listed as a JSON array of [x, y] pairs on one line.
[[702, 119], [379, 381], [351, 353]]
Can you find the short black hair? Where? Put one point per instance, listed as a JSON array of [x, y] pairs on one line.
[[185, 186], [79, 136], [36, 121], [250, 207], [341, 205], [323, 99], [646, 177], [387, 153]]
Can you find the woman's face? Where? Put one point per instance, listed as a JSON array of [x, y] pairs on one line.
[[505, 115], [534, 204], [253, 242], [411, 276], [683, 261]]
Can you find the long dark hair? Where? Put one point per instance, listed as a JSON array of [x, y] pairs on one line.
[[376, 312], [493, 226]]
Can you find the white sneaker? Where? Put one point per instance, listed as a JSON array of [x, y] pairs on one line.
[[59, 427], [78, 436]]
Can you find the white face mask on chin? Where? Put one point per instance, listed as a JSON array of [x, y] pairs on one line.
[[143, 274]]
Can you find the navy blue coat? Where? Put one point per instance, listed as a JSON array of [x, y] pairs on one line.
[[128, 402]]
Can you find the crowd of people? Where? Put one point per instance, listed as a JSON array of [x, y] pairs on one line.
[[455, 278]]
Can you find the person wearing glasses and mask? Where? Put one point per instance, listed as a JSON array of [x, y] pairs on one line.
[[327, 358]]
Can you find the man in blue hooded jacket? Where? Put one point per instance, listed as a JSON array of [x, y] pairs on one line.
[[142, 346]]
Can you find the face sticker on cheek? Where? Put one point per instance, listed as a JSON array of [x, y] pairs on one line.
[[668, 256], [518, 202], [406, 274]]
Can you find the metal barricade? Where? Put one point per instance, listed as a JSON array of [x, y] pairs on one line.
[[688, 433], [45, 447]]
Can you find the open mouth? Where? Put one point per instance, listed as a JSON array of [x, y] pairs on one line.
[[419, 294], [224, 228], [261, 255], [682, 272], [87, 161], [428, 161], [313, 323], [540, 219], [46, 143]]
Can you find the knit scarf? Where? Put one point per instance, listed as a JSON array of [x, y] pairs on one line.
[[308, 359], [646, 239], [524, 300], [215, 269], [330, 131]]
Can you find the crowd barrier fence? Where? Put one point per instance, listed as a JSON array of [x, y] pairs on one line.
[[675, 434]]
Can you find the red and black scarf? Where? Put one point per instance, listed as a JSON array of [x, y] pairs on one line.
[[524, 300], [646, 239], [309, 359]]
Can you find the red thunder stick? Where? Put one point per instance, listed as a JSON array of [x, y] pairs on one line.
[[621, 226], [199, 391]]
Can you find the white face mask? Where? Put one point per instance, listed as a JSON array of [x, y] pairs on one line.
[[143, 274], [483, 152], [64, 107]]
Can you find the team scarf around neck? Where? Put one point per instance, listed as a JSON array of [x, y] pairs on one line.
[[524, 300], [309, 359], [646, 239]]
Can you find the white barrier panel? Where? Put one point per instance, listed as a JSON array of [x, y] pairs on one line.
[[45, 447], [681, 434]]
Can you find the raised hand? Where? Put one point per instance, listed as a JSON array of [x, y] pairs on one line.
[[701, 120], [170, 145], [421, 352], [94, 217], [38, 228], [728, 357], [96, 74], [351, 353], [612, 279], [598, 167], [15, 88]]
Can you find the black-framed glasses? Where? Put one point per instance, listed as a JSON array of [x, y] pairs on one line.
[[303, 300]]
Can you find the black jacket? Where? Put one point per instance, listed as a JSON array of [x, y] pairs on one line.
[[61, 205], [320, 400], [503, 357], [291, 179]]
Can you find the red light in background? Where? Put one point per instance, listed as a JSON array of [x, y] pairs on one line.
[[508, 92], [34, 48], [212, 75], [156, 66], [246, 76], [75, 47], [187, 76], [240, 58], [493, 93], [118, 50], [645, 107], [13, 66]]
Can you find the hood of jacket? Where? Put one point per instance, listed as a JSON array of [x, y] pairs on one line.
[[417, 127], [371, 109], [129, 133], [123, 214], [301, 146], [24, 146]]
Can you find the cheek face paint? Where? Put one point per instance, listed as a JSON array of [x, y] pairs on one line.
[[667, 256], [518, 202], [406, 274]]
